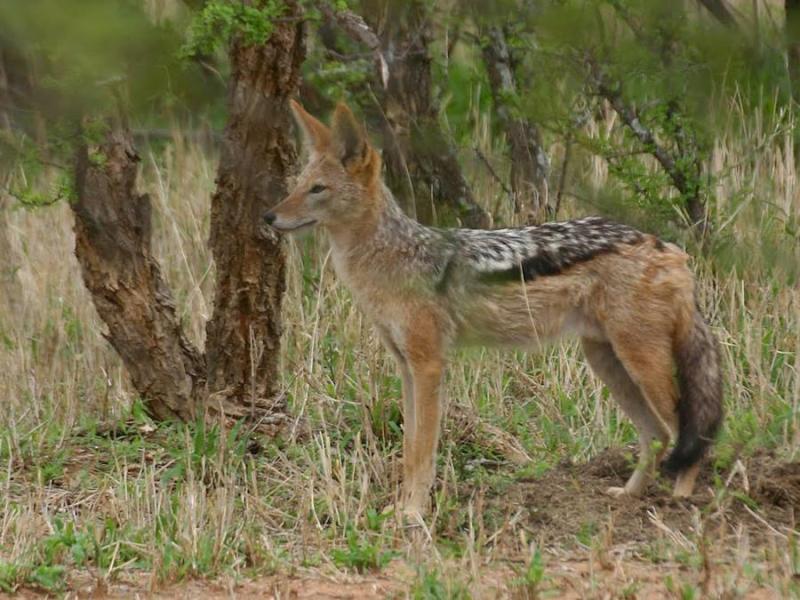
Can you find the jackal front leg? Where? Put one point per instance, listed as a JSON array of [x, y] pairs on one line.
[[421, 439], [409, 417]]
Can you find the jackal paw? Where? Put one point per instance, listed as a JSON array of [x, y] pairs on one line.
[[616, 492], [631, 489], [410, 515], [412, 518]]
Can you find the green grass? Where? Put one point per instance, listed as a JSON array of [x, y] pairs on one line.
[[88, 483]]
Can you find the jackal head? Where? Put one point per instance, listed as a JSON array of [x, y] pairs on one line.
[[340, 181]]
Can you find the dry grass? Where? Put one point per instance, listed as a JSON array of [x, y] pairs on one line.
[[96, 497]]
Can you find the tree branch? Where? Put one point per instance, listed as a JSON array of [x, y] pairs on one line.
[[688, 189], [529, 161], [720, 10], [357, 29], [417, 151]]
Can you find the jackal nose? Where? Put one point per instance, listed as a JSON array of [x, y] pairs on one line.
[[269, 217]]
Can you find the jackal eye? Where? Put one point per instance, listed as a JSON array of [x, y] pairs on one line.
[[318, 188]]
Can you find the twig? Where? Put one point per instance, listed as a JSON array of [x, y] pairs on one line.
[[356, 28], [645, 136], [27, 203], [763, 521], [562, 179], [689, 191], [492, 172]]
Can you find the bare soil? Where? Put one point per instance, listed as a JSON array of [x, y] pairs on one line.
[[760, 493]]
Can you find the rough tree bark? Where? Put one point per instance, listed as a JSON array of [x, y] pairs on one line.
[[10, 290], [258, 154], [420, 158], [792, 8], [5, 93], [529, 162], [238, 375], [421, 163], [112, 243]]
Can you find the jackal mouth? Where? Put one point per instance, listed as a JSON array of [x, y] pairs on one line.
[[292, 228]]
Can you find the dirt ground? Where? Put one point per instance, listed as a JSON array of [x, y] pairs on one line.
[[762, 494], [755, 510]]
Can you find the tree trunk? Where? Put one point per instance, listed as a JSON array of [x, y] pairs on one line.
[[421, 162], [238, 376], [720, 10], [5, 94], [243, 335], [10, 290], [113, 246], [529, 163], [792, 8]]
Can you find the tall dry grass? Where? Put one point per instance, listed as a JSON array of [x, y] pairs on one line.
[[178, 510]]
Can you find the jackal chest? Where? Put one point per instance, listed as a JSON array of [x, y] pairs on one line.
[[368, 288]]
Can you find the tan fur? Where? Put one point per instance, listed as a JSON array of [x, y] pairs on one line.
[[630, 307]]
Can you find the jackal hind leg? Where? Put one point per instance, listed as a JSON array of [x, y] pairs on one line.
[[684, 484], [652, 430]]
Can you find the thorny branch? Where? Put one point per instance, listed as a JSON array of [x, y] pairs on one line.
[[492, 172], [690, 190]]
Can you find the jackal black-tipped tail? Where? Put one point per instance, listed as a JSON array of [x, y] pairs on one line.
[[700, 403]]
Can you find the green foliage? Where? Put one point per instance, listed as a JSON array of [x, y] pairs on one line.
[[684, 590], [362, 551], [68, 546], [337, 80], [534, 575], [431, 586], [89, 62], [675, 73], [464, 88], [218, 21], [83, 55], [27, 183], [9, 577], [203, 447], [78, 545], [49, 578]]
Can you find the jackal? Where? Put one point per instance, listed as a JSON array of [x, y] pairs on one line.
[[629, 297]]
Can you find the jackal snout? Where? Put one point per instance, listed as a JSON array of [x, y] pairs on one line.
[[292, 214], [340, 180]]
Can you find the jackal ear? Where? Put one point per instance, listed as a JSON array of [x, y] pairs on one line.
[[316, 134], [350, 142]]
